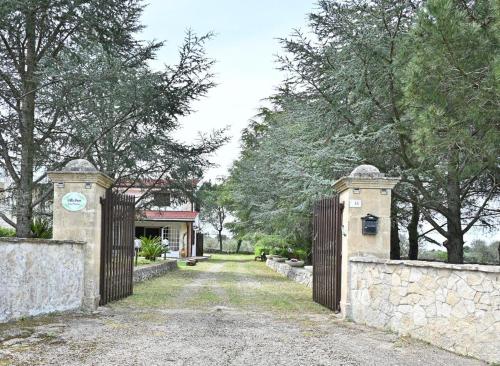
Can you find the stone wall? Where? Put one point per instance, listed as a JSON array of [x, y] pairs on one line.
[[154, 270], [456, 307], [39, 277], [296, 274]]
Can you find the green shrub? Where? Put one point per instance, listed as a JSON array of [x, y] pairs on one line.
[[41, 228], [7, 232], [151, 248], [281, 251], [271, 241], [259, 250], [300, 254]]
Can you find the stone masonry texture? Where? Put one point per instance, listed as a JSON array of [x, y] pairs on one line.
[[456, 307], [39, 277], [154, 270], [296, 274]]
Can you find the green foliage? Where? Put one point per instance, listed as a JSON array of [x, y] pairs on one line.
[[271, 244], [481, 252], [83, 58], [212, 199], [260, 249], [271, 241], [7, 232], [300, 254], [282, 251], [211, 244], [408, 87], [142, 261], [41, 228], [151, 248], [433, 255]]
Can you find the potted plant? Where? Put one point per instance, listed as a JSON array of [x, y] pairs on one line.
[[295, 263], [151, 248]]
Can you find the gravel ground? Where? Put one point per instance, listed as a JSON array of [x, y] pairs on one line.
[[223, 312]]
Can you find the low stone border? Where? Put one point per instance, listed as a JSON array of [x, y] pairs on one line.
[[10, 240], [297, 274], [154, 270]]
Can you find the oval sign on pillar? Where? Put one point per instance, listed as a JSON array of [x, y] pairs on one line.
[[74, 201]]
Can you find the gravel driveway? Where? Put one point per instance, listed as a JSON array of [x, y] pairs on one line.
[[228, 311]]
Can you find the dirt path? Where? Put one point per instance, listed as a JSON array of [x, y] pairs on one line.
[[229, 311]]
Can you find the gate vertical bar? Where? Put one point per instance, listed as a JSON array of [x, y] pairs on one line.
[[326, 252], [117, 248]]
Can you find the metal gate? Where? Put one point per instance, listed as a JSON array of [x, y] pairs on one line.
[[327, 252], [117, 246]]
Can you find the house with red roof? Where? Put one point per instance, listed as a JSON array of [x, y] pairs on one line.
[[168, 213]]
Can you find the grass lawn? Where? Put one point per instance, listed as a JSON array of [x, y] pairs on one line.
[[234, 281]]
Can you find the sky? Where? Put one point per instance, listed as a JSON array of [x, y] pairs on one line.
[[245, 48]]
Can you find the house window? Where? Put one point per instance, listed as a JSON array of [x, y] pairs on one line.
[[161, 199], [172, 234]]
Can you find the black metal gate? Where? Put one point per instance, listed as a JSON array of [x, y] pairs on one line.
[[117, 246], [327, 252]]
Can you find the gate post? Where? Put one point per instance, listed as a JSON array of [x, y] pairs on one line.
[[365, 191], [78, 189]]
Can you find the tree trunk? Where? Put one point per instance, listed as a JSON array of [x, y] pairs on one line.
[[395, 247], [395, 243], [413, 232], [455, 242], [238, 245], [24, 196], [220, 240], [455, 247]]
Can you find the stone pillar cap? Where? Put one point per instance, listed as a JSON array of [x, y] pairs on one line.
[[79, 165], [81, 170], [366, 171], [365, 176]]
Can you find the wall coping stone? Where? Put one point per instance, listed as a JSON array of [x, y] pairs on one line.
[[9, 240], [81, 177], [441, 265], [345, 183]]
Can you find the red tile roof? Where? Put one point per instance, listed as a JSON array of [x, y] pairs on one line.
[[168, 215]]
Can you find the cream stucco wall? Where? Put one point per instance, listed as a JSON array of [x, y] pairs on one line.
[[84, 225], [40, 276]]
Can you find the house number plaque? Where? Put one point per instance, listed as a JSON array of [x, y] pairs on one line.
[[74, 201]]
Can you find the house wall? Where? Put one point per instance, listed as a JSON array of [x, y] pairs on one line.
[[456, 307], [40, 277], [173, 206], [179, 225]]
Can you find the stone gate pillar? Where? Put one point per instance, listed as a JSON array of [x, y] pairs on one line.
[[364, 192], [78, 188]]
